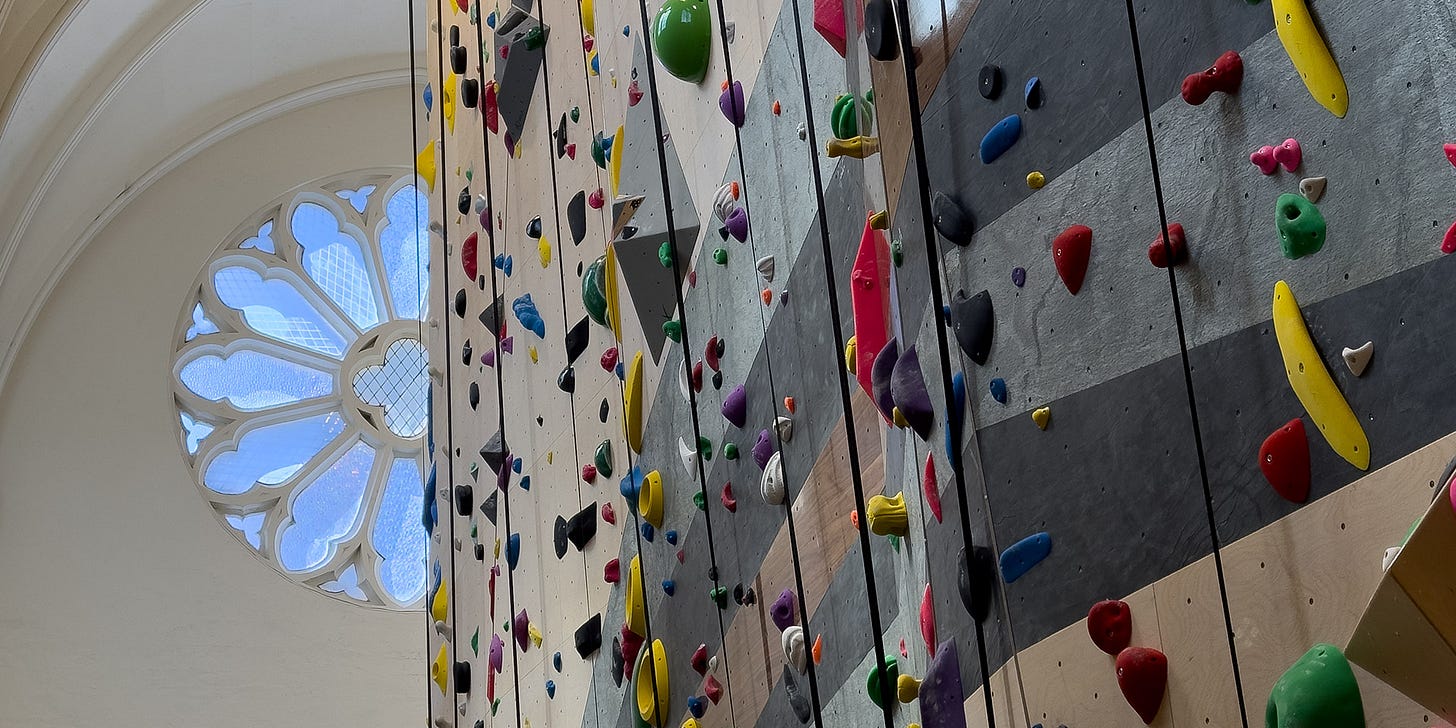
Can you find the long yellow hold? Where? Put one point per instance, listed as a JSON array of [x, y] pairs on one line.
[[619, 150], [1310, 55], [1312, 383], [589, 17], [611, 293], [636, 390], [652, 683], [635, 608], [425, 165], [440, 668], [440, 607], [447, 100]]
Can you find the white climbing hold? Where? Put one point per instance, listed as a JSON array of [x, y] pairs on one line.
[[437, 227], [785, 428], [1389, 557], [444, 630], [456, 541], [1313, 188], [731, 30], [682, 384], [772, 482], [803, 131], [725, 201], [436, 374], [794, 651], [766, 268], [1358, 359], [688, 455]]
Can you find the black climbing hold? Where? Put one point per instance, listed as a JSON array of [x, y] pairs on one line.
[[469, 93], [617, 661], [454, 36], [558, 537], [480, 552], [578, 269], [488, 508], [738, 593], [576, 217], [561, 138], [462, 677], [466, 352], [720, 346], [717, 380], [604, 411], [628, 232], [474, 395], [491, 317], [493, 452], [749, 597], [797, 701], [540, 420], [589, 639], [582, 527], [566, 381], [977, 580], [975, 324], [712, 573], [990, 81], [879, 30], [460, 303], [465, 201], [1034, 96], [533, 228], [577, 339], [951, 220], [464, 498], [457, 59]]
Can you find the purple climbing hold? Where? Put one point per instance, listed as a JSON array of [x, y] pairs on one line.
[[907, 388], [880, 378], [1018, 276], [763, 449], [735, 406], [730, 102], [737, 224], [508, 345], [519, 627], [942, 698], [782, 610], [497, 652]]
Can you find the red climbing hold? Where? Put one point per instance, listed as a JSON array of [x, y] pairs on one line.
[[609, 359], [596, 199], [789, 404], [631, 643], [612, 572], [932, 488], [1109, 623], [464, 5], [1284, 458], [589, 473], [1226, 74], [634, 93], [829, 21], [710, 352], [1448, 244], [468, 256], [700, 660], [490, 106], [1070, 251], [927, 621], [1450, 150], [609, 514], [729, 501], [712, 689], [681, 556], [1177, 243], [692, 279], [698, 376], [1142, 673]]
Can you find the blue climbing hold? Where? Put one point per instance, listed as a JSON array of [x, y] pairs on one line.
[[648, 532], [550, 688], [510, 265], [621, 371], [516, 465], [490, 20], [671, 537], [631, 486], [627, 31], [1000, 138], [945, 312], [998, 390], [1019, 557], [1018, 276], [529, 316], [596, 65], [513, 550], [696, 706], [955, 419], [429, 98], [1032, 93], [556, 661], [669, 587], [525, 482]]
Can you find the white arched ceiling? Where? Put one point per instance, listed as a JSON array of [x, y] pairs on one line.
[[115, 93]]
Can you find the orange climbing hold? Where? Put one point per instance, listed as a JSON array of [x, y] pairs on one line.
[[789, 404], [818, 649], [767, 296]]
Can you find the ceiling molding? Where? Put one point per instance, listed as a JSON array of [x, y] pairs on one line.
[[270, 110], [37, 54]]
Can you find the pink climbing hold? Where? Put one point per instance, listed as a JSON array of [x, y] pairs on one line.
[[596, 199], [713, 689], [1109, 623], [1289, 155], [829, 21], [904, 650], [1263, 158], [932, 487], [1451, 153], [468, 257], [634, 93], [729, 501], [927, 621], [1448, 244]]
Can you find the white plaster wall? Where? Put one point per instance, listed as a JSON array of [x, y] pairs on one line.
[[123, 602]]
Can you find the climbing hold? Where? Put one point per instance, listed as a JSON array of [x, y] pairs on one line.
[[888, 516], [688, 456], [737, 224], [1312, 383], [1448, 243], [1263, 158], [669, 587], [463, 500], [440, 668], [1225, 75], [652, 683], [927, 620], [1071, 251], [513, 550], [1021, 556], [771, 483], [603, 459], [727, 498], [952, 221], [731, 103], [782, 610], [1284, 460], [907, 688], [765, 268], [1142, 675], [1109, 623], [1177, 245], [784, 427], [975, 324], [682, 34], [907, 389], [1041, 416], [851, 116], [589, 473], [1035, 180], [719, 596], [880, 680], [880, 374], [1319, 689], [671, 536], [528, 315], [699, 660], [795, 651], [697, 706], [1313, 188], [860, 147], [879, 31], [735, 406], [635, 403], [609, 514], [520, 628], [1289, 155], [725, 201], [635, 608], [976, 580], [1032, 94], [989, 81], [651, 501], [612, 572], [830, 23], [1000, 138], [998, 390], [851, 355], [1358, 359], [588, 638], [1311, 57], [763, 450]]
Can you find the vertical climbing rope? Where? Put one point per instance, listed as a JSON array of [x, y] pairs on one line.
[[814, 699], [1137, 54], [830, 285]]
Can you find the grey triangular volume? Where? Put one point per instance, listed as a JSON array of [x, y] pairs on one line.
[[517, 72]]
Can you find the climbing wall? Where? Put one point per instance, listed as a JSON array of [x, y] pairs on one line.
[[786, 372]]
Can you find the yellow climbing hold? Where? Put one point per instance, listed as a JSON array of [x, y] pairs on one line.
[[588, 17], [635, 393], [880, 220], [1312, 383], [497, 548], [543, 248], [850, 349], [609, 291], [888, 516], [692, 723], [1042, 416], [907, 688], [535, 634], [858, 147], [447, 100], [619, 148], [440, 607], [650, 499], [534, 356], [425, 165], [550, 455], [592, 67], [1036, 180], [440, 668], [898, 418], [635, 608], [1310, 55], [652, 685]]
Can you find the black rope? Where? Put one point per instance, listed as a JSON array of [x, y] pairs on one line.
[[814, 699], [499, 372], [1228, 624], [686, 339], [831, 289]]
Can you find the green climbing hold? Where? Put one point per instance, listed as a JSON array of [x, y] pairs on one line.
[[851, 117], [720, 256], [730, 451], [575, 114], [894, 542], [494, 706], [683, 35], [664, 255], [603, 459], [470, 175], [1318, 690], [473, 532], [673, 330], [475, 642], [705, 448], [535, 39], [719, 595], [897, 253], [881, 683], [699, 501], [1301, 226], [593, 291], [599, 150]]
